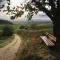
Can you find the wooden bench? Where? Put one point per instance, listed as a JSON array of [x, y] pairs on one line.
[[51, 36], [49, 39]]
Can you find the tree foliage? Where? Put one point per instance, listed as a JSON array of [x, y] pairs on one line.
[[50, 7], [8, 30]]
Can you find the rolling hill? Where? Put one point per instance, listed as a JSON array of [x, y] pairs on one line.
[[5, 22]]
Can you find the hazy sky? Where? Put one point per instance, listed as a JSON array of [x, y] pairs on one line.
[[16, 2], [40, 16]]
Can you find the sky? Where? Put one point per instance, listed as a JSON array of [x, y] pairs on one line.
[[16, 2], [40, 16]]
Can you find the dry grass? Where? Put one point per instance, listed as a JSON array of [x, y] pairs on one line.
[[33, 48]]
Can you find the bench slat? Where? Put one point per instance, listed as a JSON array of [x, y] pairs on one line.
[[47, 41], [51, 36]]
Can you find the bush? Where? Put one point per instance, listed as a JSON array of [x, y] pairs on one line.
[[8, 30], [22, 27]]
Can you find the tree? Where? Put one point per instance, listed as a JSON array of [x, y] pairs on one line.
[[50, 7], [22, 27], [8, 30], [53, 12]]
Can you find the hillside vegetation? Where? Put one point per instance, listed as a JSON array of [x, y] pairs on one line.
[[6, 34], [39, 27], [32, 47]]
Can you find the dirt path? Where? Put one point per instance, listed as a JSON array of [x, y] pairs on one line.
[[9, 52]]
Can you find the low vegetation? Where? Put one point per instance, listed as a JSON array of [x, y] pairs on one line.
[[32, 47], [8, 30], [6, 34], [6, 41], [39, 27]]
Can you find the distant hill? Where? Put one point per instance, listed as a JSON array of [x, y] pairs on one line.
[[2, 21], [31, 22], [5, 22], [40, 22]]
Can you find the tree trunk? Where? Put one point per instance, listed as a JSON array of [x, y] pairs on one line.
[[56, 31]]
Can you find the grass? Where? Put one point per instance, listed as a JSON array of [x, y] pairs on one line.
[[40, 28], [32, 47], [2, 41], [6, 41]]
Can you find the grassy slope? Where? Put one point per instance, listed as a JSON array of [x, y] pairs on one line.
[[36, 28], [32, 47], [43, 27], [40, 27]]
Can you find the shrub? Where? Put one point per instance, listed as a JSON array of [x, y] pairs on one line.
[[8, 30], [22, 27]]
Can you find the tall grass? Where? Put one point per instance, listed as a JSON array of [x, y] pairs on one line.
[[32, 47]]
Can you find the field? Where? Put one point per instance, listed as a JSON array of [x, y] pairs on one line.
[[42, 28], [32, 47], [38, 28]]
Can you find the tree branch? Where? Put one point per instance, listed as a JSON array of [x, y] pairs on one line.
[[40, 6], [53, 6]]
